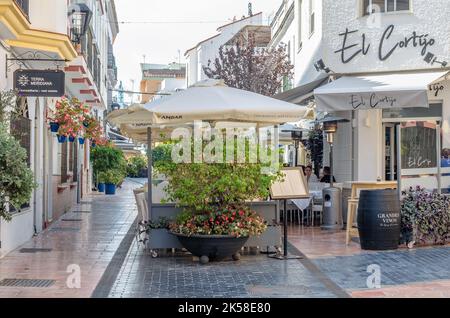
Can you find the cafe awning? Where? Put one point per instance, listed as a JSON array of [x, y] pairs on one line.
[[376, 91]]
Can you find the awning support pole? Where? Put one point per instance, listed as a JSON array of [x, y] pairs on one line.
[[149, 174], [438, 143]]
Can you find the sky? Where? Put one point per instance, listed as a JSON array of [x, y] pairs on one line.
[[171, 31]]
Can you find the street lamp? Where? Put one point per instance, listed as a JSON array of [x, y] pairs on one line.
[[297, 137], [79, 18], [330, 125], [332, 205]]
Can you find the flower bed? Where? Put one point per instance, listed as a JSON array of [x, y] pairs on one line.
[[425, 217], [233, 221]]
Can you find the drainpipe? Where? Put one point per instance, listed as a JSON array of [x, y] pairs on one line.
[[35, 164]]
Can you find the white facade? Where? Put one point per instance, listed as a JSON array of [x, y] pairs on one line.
[[382, 42], [49, 20], [208, 50]]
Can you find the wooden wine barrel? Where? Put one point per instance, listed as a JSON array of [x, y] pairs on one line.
[[379, 219]]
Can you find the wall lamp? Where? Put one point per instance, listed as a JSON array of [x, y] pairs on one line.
[[430, 58], [320, 66]]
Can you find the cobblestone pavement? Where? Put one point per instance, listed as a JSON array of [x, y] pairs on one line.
[[88, 237], [419, 272], [397, 268], [180, 276]]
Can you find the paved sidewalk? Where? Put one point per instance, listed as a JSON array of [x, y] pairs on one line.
[[179, 276], [88, 237], [419, 272]]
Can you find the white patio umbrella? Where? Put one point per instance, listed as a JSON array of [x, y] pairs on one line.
[[209, 100]]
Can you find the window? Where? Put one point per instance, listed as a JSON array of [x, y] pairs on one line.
[[311, 17], [300, 20], [376, 6]]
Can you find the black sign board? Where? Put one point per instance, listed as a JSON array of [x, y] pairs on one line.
[[39, 83], [419, 144]]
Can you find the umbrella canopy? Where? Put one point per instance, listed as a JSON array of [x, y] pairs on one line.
[[212, 101]]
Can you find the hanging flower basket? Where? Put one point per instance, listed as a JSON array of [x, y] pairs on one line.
[[71, 139], [61, 139], [93, 144], [81, 140], [54, 127]]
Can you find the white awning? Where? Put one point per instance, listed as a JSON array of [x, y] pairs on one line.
[[376, 92]]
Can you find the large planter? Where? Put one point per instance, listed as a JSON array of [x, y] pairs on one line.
[[101, 187], [212, 247], [110, 189]]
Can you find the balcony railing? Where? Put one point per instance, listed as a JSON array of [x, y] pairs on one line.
[[24, 6]]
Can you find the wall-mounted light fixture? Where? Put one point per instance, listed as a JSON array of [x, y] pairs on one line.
[[79, 18], [431, 59], [320, 66]]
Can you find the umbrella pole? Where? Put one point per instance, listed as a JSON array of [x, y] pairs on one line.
[[149, 173]]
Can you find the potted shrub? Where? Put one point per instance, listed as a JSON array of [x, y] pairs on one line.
[[16, 179], [101, 182], [106, 158], [425, 217], [136, 165], [111, 178], [217, 220]]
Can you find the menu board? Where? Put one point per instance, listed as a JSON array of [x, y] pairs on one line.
[[418, 145], [293, 185]]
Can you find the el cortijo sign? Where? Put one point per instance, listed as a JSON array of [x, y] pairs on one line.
[[385, 47], [39, 83]]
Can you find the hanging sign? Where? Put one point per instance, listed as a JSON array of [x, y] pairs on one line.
[[39, 83]]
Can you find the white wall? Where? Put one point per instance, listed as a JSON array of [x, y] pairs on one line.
[[49, 15], [426, 17], [209, 50]]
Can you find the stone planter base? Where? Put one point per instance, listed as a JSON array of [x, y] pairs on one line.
[[212, 247]]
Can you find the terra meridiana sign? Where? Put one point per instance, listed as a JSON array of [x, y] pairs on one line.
[[39, 83]]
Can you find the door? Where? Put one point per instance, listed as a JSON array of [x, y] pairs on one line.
[[390, 151]]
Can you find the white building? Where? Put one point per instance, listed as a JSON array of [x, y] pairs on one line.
[[207, 50], [392, 61], [35, 30]]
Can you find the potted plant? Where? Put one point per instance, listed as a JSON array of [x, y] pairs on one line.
[[217, 219], [101, 182], [111, 178], [16, 179], [109, 165]]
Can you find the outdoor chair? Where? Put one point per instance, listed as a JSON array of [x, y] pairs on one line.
[[142, 221]]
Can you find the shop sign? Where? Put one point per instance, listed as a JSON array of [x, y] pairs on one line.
[[350, 47], [418, 144], [39, 83], [436, 89]]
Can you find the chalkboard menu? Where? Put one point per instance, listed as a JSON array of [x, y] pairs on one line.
[[418, 145]]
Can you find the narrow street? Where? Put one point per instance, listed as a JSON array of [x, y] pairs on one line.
[[88, 237], [98, 236]]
